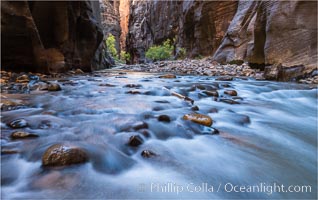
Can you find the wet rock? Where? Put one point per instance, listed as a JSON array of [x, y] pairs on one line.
[[199, 119], [230, 92], [237, 98], [200, 87], [22, 135], [133, 92], [9, 151], [3, 81], [168, 76], [107, 85], [225, 85], [164, 118], [54, 87], [229, 101], [10, 105], [162, 101], [224, 78], [62, 155], [148, 154], [195, 108], [145, 132], [211, 93], [210, 131], [182, 97], [18, 123], [133, 85], [140, 125], [79, 71], [158, 108], [22, 79], [135, 141]]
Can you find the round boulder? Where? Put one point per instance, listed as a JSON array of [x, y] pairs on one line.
[[230, 92], [63, 155], [18, 123], [54, 87], [22, 135]]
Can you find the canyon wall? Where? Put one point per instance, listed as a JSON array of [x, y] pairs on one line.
[[111, 20], [280, 34], [197, 26], [51, 36]]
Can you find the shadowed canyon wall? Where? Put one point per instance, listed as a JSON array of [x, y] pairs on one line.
[[282, 34], [51, 36]]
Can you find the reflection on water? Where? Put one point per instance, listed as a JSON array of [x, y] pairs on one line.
[[269, 137]]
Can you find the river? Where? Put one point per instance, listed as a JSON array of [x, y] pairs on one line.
[[268, 138]]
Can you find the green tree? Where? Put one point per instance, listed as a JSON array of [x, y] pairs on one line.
[[111, 46], [160, 52]]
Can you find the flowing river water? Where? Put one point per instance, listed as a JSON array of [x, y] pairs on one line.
[[268, 139]]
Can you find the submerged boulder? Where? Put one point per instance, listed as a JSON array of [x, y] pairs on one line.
[[22, 135], [18, 123], [63, 155], [168, 76], [230, 92], [54, 87]]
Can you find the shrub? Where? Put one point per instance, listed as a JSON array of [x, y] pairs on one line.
[[236, 62], [111, 46], [160, 52], [124, 56]]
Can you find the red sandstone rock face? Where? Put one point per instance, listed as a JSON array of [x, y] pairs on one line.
[[50, 36], [282, 33], [124, 8], [198, 26]]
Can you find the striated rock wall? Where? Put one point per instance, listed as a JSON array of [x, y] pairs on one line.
[[281, 34], [197, 26], [111, 20], [51, 36]]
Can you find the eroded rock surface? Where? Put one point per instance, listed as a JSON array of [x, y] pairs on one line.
[[50, 36], [273, 33]]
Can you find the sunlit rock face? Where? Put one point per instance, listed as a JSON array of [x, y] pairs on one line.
[[124, 8], [197, 26], [283, 33], [50, 36]]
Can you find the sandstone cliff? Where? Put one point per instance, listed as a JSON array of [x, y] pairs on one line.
[[111, 20], [197, 26], [51, 36], [281, 34]]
